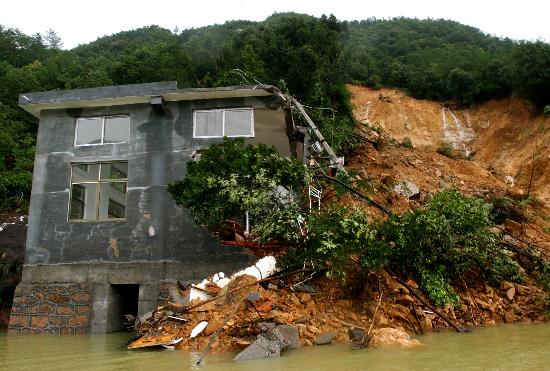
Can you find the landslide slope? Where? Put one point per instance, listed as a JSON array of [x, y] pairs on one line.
[[502, 136]]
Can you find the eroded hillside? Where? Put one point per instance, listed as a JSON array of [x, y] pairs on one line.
[[502, 136]]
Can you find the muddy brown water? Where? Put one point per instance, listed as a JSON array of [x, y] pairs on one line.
[[509, 347]]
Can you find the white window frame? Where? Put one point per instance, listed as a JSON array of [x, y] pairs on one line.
[[104, 119], [224, 110]]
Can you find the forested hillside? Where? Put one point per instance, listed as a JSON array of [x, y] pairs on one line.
[[446, 61], [307, 56]]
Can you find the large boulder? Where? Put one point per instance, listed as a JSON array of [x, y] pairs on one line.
[[325, 338], [407, 189]]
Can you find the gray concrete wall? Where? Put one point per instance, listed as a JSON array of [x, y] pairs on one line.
[[160, 147]]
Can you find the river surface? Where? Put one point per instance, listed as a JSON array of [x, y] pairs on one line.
[[508, 347]]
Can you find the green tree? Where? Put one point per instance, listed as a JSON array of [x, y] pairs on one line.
[[233, 178], [461, 85], [532, 71]]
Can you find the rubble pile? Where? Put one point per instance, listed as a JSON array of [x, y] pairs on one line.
[[262, 313], [243, 311], [261, 317], [480, 305], [509, 303]]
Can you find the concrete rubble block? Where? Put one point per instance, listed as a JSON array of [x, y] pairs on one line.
[[263, 347], [287, 335], [271, 344], [407, 189], [266, 326], [325, 338]]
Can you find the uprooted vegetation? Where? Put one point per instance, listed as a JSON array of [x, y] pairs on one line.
[[447, 240], [370, 270]]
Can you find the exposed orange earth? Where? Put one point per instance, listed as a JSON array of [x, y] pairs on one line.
[[503, 136]]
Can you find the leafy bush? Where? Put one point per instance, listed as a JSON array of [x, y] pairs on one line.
[[343, 239], [446, 151], [438, 287], [407, 143], [15, 190], [447, 240], [508, 208], [233, 178], [283, 224]]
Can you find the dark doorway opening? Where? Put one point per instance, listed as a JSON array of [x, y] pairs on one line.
[[123, 299]]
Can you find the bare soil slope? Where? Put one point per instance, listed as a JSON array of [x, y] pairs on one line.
[[503, 136]]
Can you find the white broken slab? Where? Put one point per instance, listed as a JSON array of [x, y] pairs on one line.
[[198, 329], [263, 268]]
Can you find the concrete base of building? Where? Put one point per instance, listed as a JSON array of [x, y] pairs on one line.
[[94, 296]]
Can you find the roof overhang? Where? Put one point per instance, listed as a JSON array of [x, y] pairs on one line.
[[119, 95]]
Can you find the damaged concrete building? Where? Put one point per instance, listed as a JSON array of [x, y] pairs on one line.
[[104, 236]]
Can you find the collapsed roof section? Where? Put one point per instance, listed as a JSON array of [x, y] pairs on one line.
[[34, 103]]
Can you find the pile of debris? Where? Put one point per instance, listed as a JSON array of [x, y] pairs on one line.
[[261, 312], [258, 312]]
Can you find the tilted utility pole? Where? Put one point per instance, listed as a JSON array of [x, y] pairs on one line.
[[334, 159]]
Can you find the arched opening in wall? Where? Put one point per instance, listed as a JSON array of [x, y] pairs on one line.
[[123, 300]]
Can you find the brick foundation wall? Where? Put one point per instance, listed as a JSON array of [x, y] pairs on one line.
[[58, 308], [164, 290]]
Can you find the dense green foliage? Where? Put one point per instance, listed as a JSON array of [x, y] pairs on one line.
[[231, 179], [448, 240], [532, 72], [309, 57], [433, 59]]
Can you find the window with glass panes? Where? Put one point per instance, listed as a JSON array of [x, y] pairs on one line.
[[98, 191], [227, 122], [102, 130]]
